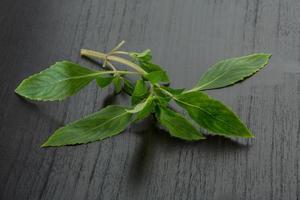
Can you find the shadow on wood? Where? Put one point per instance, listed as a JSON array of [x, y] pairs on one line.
[[153, 137]]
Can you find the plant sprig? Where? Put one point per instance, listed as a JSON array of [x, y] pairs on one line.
[[148, 96]]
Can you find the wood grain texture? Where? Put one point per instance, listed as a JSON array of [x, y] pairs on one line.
[[144, 163]]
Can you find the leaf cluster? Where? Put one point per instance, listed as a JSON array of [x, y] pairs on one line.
[[149, 96]]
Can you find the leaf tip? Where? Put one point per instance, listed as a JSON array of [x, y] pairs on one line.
[[17, 91], [49, 142], [195, 138], [268, 55], [44, 145], [248, 135], [201, 137]]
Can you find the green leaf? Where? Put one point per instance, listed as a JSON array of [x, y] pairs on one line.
[[140, 92], [144, 56], [146, 111], [177, 125], [212, 114], [58, 82], [98, 126], [162, 98], [172, 90], [143, 109], [118, 83], [145, 61], [157, 76], [150, 67], [128, 86], [104, 81], [230, 71]]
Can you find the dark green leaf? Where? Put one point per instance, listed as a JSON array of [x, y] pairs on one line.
[[146, 111], [118, 83], [98, 126], [143, 109], [212, 114], [150, 67], [163, 101], [104, 81], [128, 86], [177, 125], [58, 82], [161, 97], [157, 76], [164, 98], [140, 92], [230, 71]]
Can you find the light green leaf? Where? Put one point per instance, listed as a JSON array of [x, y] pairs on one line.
[[145, 61], [157, 76], [230, 71], [177, 125], [118, 83], [98, 126], [140, 92], [212, 114], [58, 82], [143, 109], [104, 81], [144, 56]]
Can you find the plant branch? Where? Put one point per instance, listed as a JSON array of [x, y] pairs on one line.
[[111, 66], [165, 91], [117, 47], [116, 71], [120, 52], [103, 56], [107, 72]]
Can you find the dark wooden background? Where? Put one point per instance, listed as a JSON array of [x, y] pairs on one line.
[[144, 163]]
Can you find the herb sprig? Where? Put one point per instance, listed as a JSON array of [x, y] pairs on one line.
[[149, 95]]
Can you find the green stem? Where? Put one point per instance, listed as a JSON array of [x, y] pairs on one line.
[[103, 56], [103, 72], [188, 104], [165, 91], [111, 66], [119, 72]]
